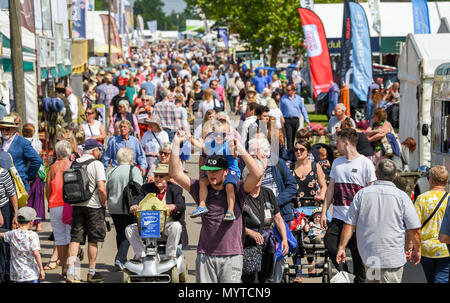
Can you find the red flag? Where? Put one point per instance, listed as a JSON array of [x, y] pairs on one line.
[[317, 47]]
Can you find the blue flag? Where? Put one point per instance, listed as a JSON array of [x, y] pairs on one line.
[[79, 18], [362, 55], [223, 33], [421, 17]]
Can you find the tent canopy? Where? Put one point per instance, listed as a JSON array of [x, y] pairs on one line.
[[418, 60]]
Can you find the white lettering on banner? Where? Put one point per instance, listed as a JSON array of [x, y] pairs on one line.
[[312, 39]]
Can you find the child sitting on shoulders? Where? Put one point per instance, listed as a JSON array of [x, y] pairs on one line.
[[219, 142], [26, 264]]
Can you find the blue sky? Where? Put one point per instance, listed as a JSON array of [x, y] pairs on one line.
[[177, 5]]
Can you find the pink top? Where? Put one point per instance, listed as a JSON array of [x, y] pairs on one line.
[[56, 199]]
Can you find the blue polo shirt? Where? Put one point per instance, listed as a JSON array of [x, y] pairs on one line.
[[149, 88], [290, 108]]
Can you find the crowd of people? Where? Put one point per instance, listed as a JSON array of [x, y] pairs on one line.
[[142, 121]]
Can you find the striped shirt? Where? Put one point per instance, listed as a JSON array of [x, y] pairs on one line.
[[107, 94], [269, 182], [7, 188]]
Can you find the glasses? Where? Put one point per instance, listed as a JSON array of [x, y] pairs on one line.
[[301, 150], [164, 154], [89, 113], [5, 129], [159, 176]]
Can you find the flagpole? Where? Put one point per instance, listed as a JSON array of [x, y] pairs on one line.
[[109, 33]]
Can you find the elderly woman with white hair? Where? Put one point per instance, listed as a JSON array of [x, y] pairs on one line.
[[125, 114], [279, 180], [265, 96], [116, 180], [54, 194]]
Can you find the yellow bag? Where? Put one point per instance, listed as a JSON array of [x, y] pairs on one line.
[[21, 192]]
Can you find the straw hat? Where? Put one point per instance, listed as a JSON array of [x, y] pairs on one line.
[[154, 120], [8, 121], [162, 169]]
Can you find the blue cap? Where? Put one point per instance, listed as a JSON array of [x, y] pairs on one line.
[[91, 143]]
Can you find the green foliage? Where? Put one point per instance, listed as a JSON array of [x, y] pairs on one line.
[[153, 10], [261, 23]]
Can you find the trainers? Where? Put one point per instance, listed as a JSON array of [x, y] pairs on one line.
[[118, 265], [96, 278]]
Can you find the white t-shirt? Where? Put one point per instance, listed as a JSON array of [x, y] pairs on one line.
[[349, 177], [91, 130], [36, 143], [205, 106], [96, 173], [23, 264], [277, 114], [150, 143]]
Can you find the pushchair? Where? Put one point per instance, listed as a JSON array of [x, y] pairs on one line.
[[304, 249], [151, 221]]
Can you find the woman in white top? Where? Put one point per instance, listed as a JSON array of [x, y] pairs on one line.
[[276, 83], [264, 96], [152, 141], [210, 115], [276, 113], [93, 129], [207, 103]]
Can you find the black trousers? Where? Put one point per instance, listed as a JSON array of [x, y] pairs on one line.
[[120, 223], [331, 241], [291, 124]]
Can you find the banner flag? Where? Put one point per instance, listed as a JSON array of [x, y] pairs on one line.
[[152, 25], [346, 48], [223, 33], [115, 37], [421, 17], [27, 14], [317, 47], [79, 18], [374, 7], [362, 54]]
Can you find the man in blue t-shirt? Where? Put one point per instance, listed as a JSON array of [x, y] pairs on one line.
[[260, 81]]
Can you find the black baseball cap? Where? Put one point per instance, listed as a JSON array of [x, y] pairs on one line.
[[215, 162], [122, 87]]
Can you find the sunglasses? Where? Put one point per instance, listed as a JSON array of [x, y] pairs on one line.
[[302, 150], [159, 176], [5, 129], [164, 154], [89, 113]]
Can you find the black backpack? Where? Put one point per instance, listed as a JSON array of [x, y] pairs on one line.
[[393, 114], [132, 191], [76, 183]]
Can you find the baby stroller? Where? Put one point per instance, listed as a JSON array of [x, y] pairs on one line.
[[151, 221], [309, 250]]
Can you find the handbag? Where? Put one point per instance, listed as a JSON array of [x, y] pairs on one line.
[[342, 276], [252, 259], [131, 192], [22, 194], [67, 214], [42, 172]]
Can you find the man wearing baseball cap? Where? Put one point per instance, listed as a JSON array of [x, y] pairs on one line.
[[89, 217], [219, 244]]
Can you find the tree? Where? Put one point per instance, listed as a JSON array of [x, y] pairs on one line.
[[153, 10], [260, 23]]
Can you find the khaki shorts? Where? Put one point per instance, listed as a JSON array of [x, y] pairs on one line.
[[90, 221]]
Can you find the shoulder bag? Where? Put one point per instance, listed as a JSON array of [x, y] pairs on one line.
[[435, 210]]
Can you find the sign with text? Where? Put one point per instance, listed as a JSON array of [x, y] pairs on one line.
[[150, 224]]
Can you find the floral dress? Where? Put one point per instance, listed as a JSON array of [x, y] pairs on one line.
[[306, 187]]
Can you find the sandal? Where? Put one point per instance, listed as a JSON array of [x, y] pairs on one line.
[[49, 267], [229, 216], [297, 280], [199, 211]]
